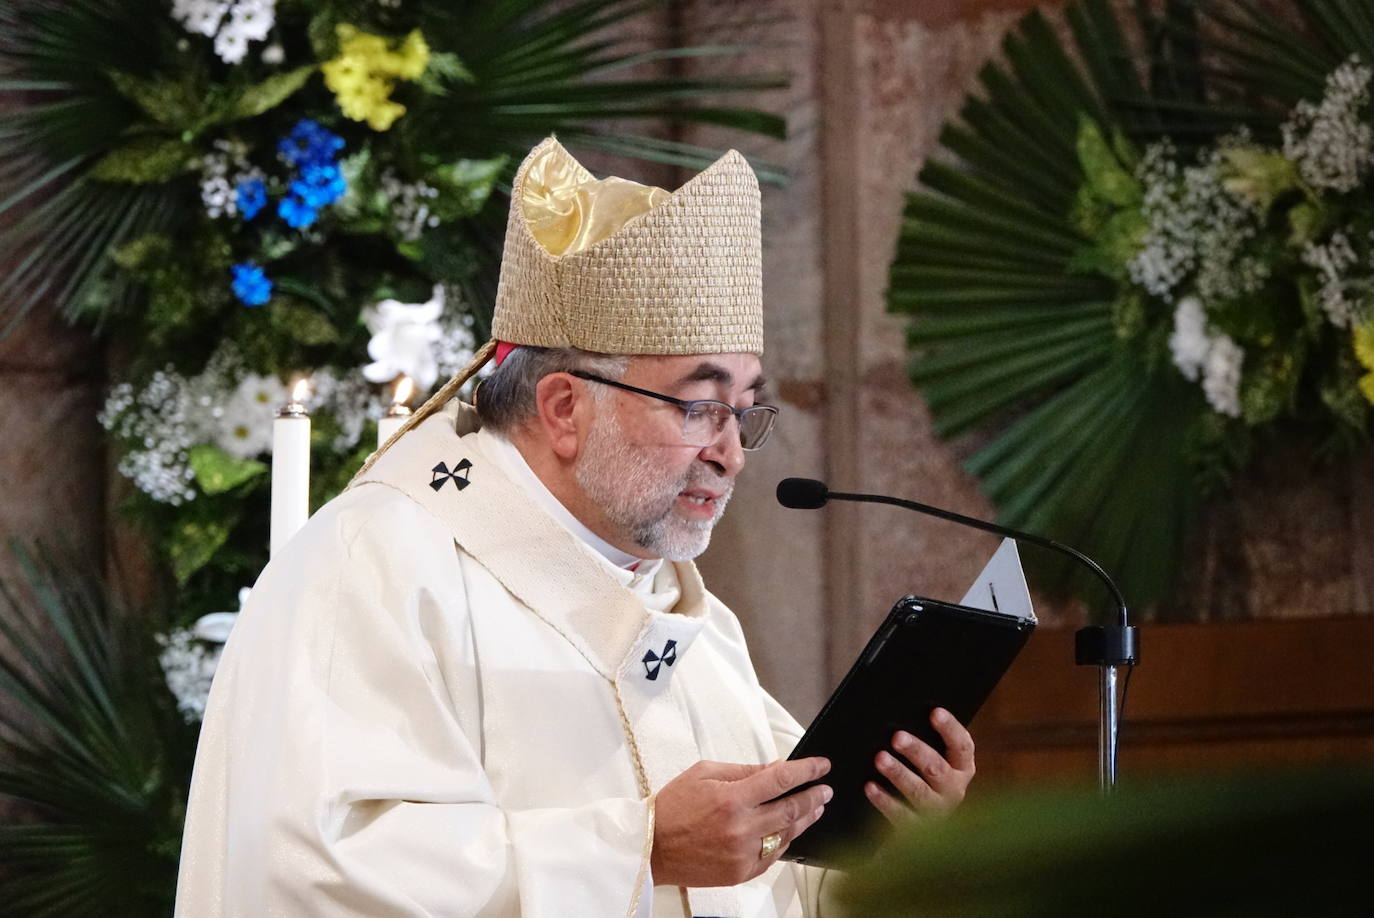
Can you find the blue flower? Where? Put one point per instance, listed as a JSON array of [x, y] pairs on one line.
[[309, 144], [251, 285], [252, 197], [319, 185], [296, 212]]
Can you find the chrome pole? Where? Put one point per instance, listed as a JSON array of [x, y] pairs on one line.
[[1109, 724]]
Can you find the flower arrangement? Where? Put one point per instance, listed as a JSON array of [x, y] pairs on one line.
[[239, 194], [242, 193], [1256, 260], [1174, 269]]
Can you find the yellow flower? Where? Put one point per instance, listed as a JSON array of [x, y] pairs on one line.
[[364, 73], [413, 57], [1364, 352], [1364, 344]]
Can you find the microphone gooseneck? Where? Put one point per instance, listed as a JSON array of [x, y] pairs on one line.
[[810, 494], [1103, 646]]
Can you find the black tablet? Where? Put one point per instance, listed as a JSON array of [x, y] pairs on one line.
[[926, 654]]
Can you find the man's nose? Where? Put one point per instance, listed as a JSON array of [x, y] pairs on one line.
[[725, 451]]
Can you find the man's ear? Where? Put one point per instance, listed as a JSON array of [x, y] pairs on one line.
[[562, 413]]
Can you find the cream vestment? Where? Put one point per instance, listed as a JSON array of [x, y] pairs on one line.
[[438, 701]]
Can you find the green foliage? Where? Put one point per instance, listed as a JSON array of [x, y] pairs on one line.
[[300, 322], [143, 160], [194, 540], [1107, 175], [1219, 845], [172, 104], [91, 744], [271, 92], [217, 471]]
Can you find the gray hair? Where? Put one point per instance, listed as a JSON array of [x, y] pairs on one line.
[[505, 399]]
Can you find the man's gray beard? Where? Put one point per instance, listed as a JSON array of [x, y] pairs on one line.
[[629, 488]]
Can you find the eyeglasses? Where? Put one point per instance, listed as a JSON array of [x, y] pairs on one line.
[[704, 419]]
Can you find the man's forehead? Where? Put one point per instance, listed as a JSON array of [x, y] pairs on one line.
[[730, 370]]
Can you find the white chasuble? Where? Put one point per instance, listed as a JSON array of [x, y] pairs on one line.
[[439, 702]]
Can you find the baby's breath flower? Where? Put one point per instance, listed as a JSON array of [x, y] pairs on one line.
[[1196, 227], [1333, 262], [406, 201], [1330, 141]]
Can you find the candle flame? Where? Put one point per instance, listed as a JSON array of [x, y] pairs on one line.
[[405, 388], [301, 391]]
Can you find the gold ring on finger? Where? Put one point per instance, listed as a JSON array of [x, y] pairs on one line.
[[769, 845]]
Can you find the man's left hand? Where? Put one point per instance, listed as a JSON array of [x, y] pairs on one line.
[[937, 783]]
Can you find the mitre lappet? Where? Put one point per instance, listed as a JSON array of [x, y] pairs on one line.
[[615, 267]]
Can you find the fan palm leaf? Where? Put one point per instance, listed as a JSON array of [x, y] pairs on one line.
[[60, 116], [87, 747], [1257, 50], [1007, 334]]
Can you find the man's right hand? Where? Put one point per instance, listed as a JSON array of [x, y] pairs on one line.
[[710, 821]]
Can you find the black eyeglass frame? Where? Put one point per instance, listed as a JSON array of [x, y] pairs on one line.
[[688, 404]]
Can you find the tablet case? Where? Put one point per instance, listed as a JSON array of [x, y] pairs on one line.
[[926, 654]]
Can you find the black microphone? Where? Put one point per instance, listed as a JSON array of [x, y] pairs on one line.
[[810, 494]]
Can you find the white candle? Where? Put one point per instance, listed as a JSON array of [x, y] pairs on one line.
[[290, 468], [398, 412]]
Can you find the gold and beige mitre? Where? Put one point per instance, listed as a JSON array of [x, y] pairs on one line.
[[620, 268], [615, 267]]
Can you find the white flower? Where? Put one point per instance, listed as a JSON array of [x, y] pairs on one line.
[[1330, 141], [200, 16], [252, 19], [220, 174], [1200, 352], [273, 54], [404, 336], [231, 45], [190, 657], [161, 424], [1195, 226], [244, 428], [1221, 376], [351, 399], [247, 20], [1332, 261], [215, 626], [188, 666], [410, 214], [458, 345], [1189, 342]]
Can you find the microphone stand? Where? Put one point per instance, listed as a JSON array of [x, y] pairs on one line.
[[1108, 647]]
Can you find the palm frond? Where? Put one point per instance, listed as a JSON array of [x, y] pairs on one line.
[[88, 747], [1007, 334]]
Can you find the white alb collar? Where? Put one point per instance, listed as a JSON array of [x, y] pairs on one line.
[[519, 471]]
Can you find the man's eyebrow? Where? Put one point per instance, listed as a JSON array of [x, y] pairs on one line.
[[714, 372]]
